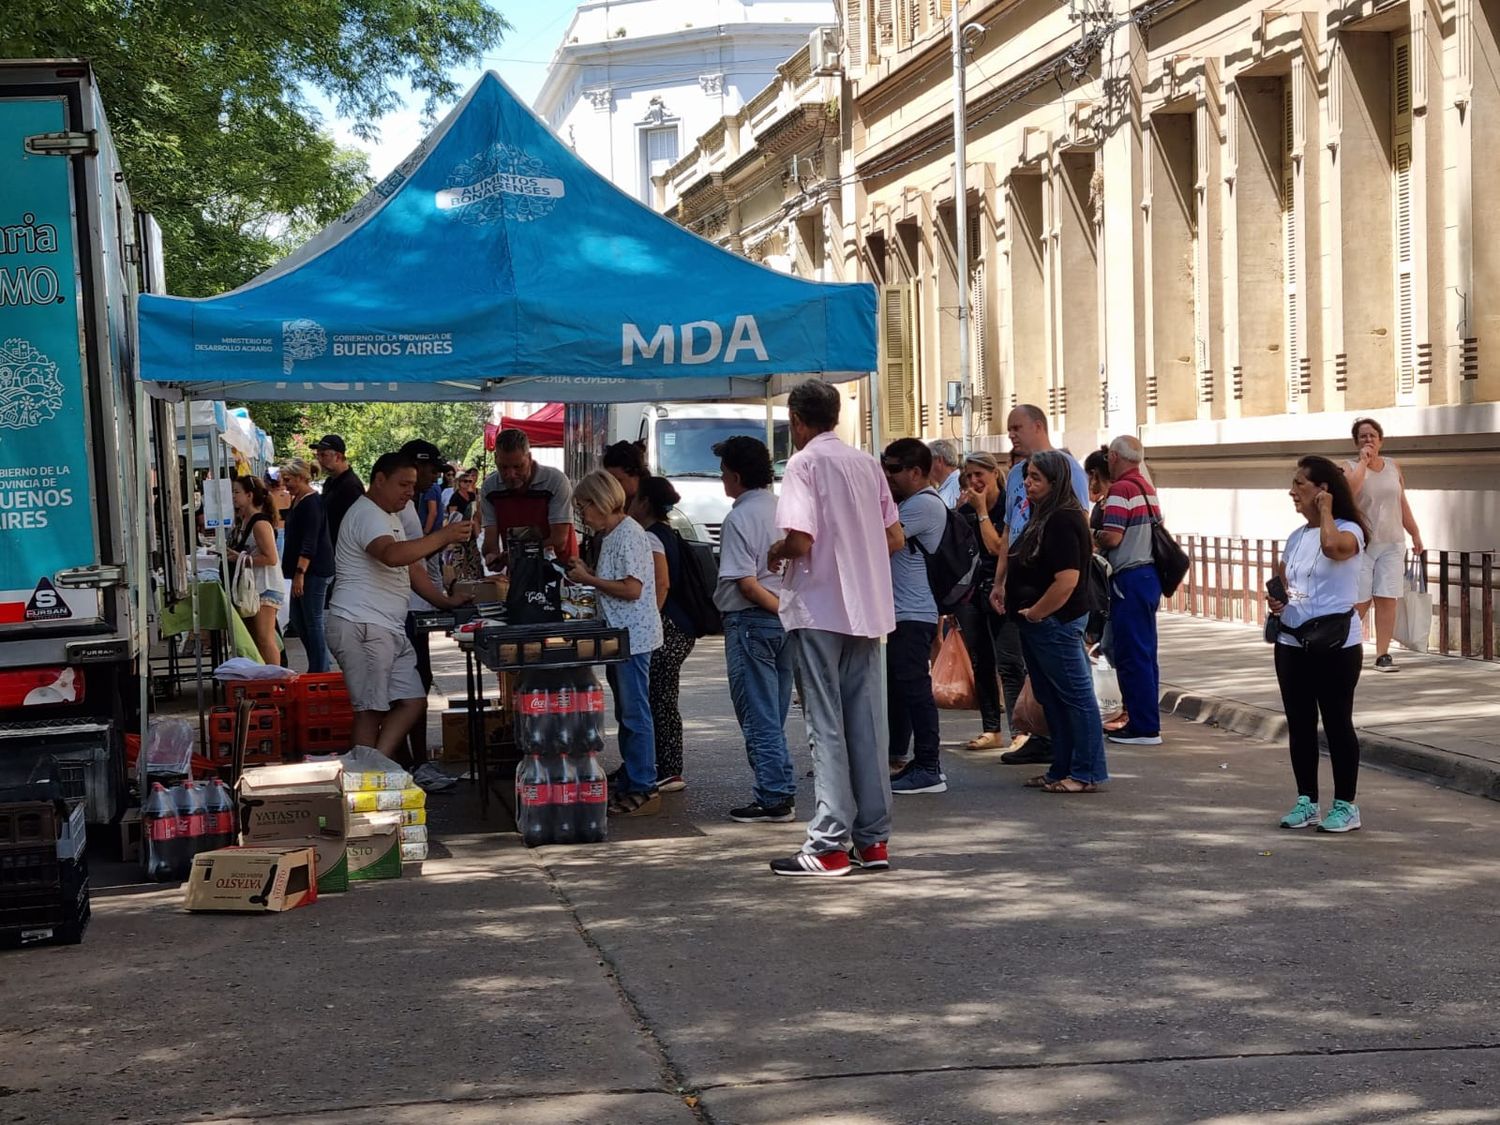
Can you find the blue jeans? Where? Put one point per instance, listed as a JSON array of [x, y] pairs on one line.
[[306, 616], [1133, 599], [759, 661], [632, 685], [1064, 686]]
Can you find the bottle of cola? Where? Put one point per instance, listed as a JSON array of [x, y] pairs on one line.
[[192, 812], [533, 700], [592, 815], [219, 827], [564, 781], [161, 847], [563, 708], [588, 729], [534, 801]]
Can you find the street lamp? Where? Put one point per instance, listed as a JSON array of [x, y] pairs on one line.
[[965, 38]]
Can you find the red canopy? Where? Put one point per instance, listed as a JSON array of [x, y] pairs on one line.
[[544, 428]]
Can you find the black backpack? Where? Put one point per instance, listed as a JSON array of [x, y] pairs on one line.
[[953, 569], [695, 588]]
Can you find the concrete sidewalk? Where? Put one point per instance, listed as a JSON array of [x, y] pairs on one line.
[[1438, 716]]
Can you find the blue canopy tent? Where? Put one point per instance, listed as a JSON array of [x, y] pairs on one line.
[[495, 264]]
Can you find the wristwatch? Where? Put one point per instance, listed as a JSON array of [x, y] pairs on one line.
[[984, 517]]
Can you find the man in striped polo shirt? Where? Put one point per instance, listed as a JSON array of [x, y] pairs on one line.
[[1130, 508]]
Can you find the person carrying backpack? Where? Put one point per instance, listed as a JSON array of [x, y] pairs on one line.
[[911, 713]]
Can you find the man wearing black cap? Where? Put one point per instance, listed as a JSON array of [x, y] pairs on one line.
[[342, 486]]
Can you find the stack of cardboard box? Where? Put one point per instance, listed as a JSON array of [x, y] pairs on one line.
[[299, 806]]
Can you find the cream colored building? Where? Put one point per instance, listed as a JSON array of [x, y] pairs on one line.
[[1230, 228]]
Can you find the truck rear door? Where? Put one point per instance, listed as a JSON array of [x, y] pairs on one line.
[[47, 514]]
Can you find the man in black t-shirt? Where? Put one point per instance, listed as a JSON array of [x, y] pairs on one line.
[[342, 486]]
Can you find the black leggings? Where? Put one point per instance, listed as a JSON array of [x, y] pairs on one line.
[[1314, 683]]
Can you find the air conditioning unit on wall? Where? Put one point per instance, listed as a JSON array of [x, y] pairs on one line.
[[823, 51]]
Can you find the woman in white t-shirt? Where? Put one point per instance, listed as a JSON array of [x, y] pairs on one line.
[[625, 577], [1318, 651]]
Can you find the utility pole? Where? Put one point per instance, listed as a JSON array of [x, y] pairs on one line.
[[961, 222]]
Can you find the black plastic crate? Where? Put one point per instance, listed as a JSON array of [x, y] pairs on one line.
[[561, 644], [56, 915]]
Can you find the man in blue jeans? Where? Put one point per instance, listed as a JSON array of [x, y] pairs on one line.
[[756, 652], [1130, 509]]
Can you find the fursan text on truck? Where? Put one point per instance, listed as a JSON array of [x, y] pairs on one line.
[[79, 538]]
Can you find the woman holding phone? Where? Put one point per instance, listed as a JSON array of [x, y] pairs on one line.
[[1318, 640]]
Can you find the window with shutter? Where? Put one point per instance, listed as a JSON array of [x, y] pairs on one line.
[[897, 364], [1401, 171], [854, 33], [1289, 268], [658, 153], [885, 27]]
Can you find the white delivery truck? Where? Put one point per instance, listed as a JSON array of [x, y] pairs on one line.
[[679, 438], [78, 534]]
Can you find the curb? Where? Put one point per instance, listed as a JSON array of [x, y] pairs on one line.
[[1428, 763]]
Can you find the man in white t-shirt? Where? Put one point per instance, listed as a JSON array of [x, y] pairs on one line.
[[378, 565]]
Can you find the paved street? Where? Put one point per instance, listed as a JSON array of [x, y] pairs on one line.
[[1157, 953]]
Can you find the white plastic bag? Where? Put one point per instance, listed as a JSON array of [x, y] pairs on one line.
[[1106, 683], [1414, 610], [242, 590]]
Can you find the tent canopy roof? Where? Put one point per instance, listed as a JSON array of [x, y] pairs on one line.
[[495, 264]]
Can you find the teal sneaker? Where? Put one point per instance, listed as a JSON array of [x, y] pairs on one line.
[[1343, 817], [1303, 815]]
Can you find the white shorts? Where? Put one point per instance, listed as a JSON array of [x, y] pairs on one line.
[[379, 666], [1381, 570]]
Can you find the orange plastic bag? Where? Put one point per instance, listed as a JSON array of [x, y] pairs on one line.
[[1029, 718], [952, 673]]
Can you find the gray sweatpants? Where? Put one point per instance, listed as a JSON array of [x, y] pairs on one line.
[[847, 733]]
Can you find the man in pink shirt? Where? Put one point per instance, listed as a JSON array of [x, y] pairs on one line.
[[836, 604]]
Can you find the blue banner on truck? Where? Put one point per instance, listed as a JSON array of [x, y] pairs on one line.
[[46, 517]]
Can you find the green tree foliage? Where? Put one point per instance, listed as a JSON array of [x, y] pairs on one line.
[[206, 103], [370, 429]]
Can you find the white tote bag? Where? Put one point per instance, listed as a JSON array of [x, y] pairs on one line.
[[1414, 610], [242, 589], [1106, 683]]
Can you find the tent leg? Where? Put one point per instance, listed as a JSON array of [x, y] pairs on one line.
[[142, 569], [187, 413], [770, 423]]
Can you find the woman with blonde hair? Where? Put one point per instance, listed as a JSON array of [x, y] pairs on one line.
[[308, 561], [625, 577], [253, 538]]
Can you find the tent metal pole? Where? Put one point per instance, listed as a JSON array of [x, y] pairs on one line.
[[770, 424], [192, 444], [142, 569]]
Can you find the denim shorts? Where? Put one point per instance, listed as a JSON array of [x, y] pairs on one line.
[[273, 597]]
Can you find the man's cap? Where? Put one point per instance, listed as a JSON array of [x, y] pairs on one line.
[[424, 451], [333, 442]]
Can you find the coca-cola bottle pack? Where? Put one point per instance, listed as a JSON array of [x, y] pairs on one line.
[[534, 801], [161, 845]]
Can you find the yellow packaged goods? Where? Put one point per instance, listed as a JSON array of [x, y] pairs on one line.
[[414, 833], [413, 853], [366, 768], [413, 816], [386, 800]]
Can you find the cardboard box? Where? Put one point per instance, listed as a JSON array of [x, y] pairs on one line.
[[255, 880], [497, 727], [299, 805], [374, 846]]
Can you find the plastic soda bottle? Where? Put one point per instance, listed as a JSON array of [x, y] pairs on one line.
[[533, 801], [218, 827], [160, 846], [564, 799], [592, 811]]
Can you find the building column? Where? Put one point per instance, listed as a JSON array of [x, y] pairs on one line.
[[1121, 242]]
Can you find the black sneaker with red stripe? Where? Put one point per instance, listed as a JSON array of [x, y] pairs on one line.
[[872, 857], [822, 865]]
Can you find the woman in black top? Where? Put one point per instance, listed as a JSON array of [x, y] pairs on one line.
[[982, 505], [308, 562], [653, 501], [1044, 582]]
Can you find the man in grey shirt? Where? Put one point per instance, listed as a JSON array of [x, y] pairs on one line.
[[756, 652], [911, 713]]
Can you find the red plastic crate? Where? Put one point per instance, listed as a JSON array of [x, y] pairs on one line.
[[269, 694], [265, 744], [324, 721]]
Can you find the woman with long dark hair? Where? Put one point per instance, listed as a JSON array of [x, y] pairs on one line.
[[1045, 580], [1318, 643], [254, 538], [650, 508]]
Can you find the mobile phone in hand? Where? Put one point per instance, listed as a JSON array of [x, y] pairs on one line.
[[1276, 588]]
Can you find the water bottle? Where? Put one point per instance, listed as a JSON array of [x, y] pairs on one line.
[[160, 846], [533, 801]]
